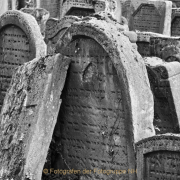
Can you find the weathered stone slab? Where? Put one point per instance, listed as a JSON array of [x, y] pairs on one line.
[[41, 15], [21, 41], [175, 24], [55, 28], [76, 8], [106, 105], [158, 157], [166, 48], [53, 6], [153, 16], [29, 115], [143, 42], [165, 82]]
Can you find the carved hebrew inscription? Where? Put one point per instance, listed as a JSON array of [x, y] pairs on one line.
[[146, 18], [14, 51], [175, 29], [162, 165], [91, 129]]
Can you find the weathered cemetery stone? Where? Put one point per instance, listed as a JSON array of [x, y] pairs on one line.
[[151, 16], [158, 157], [165, 82], [53, 6], [41, 15], [29, 115], [3, 6], [21, 41], [106, 105], [76, 8], [166, 48], [143, 42], [55, 28], [175, 25]]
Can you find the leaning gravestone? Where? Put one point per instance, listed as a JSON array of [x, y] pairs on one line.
[[29, 115], [152, 16], [106, 105], [158, 157], [165, 82], [21, 41]]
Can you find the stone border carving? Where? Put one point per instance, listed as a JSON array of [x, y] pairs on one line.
[[127, 62], [30, 27], [169, 142]]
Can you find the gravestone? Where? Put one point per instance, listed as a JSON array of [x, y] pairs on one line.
[[21, 41], [158, 157], [152, 16], [175, 24], [53, 6], [143, 42], [41, 16], [165, 82], [166, 48], [29, 115], [77, 8], [55, 28], [94, 125]]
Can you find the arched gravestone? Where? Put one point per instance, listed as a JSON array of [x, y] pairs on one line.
[[158, 157], [152, 16], [55, 28], [21, 41], [106, 105]]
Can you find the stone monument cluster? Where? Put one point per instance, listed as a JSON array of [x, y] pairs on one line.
[[89, 89]]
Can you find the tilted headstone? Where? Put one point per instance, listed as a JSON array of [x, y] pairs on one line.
[[21, 41], [106, 105], [158, 157], [151, 16], [41, 16], [165, 82], [29, 115], [55, 28]]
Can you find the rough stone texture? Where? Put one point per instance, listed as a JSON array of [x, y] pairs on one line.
[[41, 16], [107, 105], [21, 41], [55, 28], [143, 42], [29, 115], [165, 82], [153, 16], [158, 157], [166, 48]]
